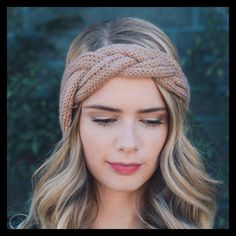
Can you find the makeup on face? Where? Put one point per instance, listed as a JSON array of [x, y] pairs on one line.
[[106, 116], [124, 168], [123, 128]]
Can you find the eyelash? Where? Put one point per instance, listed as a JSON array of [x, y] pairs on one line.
[[107, 122]]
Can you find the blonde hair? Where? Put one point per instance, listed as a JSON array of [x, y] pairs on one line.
[[179, 195]]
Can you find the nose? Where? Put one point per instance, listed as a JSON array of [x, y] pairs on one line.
[[127, 140]]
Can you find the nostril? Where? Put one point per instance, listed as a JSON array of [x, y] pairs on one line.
[[128, 149]]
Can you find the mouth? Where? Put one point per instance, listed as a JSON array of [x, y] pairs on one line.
[[124, 168]]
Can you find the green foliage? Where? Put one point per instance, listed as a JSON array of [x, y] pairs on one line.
[[60, 23], [211, 47], [206, 65], [14, 13], [32, 111], [30, 121]]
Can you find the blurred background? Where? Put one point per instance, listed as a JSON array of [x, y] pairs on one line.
[[38, 39]]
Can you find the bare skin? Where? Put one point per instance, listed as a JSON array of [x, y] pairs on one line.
[[118, 214], [123, 127]]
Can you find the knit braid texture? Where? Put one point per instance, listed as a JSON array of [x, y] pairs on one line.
[[88, 72]]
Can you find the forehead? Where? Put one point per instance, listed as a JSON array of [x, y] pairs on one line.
[[127, 92]]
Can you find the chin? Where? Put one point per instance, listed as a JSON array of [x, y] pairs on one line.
[[124, 187]]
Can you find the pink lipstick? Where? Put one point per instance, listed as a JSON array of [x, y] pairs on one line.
[[123, 168]]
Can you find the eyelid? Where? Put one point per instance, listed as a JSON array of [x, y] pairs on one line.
[[111, 121], [115, 118]]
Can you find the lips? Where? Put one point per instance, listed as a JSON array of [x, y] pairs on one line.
[[123, 168]]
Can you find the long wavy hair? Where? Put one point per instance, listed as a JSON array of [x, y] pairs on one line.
[[179, 195]]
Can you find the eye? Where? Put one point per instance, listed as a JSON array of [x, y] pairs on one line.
[[110, 121], [152, 122], [104, 122]]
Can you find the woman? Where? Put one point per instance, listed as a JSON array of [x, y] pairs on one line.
[[124, 160]]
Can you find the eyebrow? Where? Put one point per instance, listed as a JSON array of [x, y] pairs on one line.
[[111, 109]]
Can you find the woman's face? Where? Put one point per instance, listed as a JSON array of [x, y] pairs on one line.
[[123, 127]]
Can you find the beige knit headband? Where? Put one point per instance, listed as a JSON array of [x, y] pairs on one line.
[[88, 72]]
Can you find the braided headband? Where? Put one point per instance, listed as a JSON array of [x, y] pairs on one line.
[[89, 71]]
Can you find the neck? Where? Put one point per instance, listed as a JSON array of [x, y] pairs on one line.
[[116, 210]]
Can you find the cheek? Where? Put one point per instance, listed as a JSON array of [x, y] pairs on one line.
[[93, 141], [154, 143], [157, 138]]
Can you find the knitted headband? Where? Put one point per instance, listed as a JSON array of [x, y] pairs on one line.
[[89, 71]]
